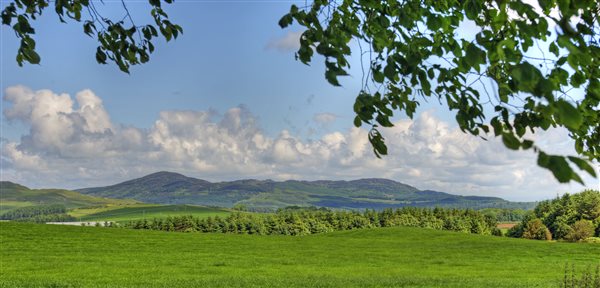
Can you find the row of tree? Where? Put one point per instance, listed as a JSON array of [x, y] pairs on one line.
[[39, 214], [505, 215], [311, 221], [570, 217]]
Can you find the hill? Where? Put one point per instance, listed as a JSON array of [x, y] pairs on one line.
[[14, 195], [71, 256], [144, 211], [373, 193]]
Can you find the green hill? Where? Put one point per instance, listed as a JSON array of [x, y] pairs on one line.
[[13, 195], [173, 188], [74, 256], [145, 211]]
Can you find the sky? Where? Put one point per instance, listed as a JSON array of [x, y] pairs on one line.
[[226, 101]]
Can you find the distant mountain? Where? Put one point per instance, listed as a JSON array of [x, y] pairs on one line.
[[13, 195], [155, 186], [373, 193]]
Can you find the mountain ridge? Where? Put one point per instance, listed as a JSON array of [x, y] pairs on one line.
[[166, 187]]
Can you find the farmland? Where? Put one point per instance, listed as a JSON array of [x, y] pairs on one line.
[[15, 196], [57, 256], [144, 211]]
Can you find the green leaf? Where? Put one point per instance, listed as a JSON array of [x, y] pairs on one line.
[[553, 48], [155, 3], [331, 77], [31, 56], [568, 115], [285, 21], [377, 142], [100, 56], [357, 122], [474, 56], [378, 76], [510, 141], [583, 165], [559, 167]]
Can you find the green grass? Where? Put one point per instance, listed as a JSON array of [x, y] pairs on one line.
[[62, 256], [147, 211], [6, 206]]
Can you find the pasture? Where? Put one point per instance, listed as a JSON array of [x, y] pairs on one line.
[[34, 255], [144, 211]]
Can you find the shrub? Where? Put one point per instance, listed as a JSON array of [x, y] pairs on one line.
[[595, 240], [497, 232], [515, 231], [535, 229], [581, 230]]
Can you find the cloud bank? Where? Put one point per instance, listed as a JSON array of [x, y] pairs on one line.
[[72, 143]]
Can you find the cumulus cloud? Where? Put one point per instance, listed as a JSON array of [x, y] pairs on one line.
[[73, 143], [289, 42]]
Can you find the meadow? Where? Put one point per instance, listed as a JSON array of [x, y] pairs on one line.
[[34, 255], [144, 211]]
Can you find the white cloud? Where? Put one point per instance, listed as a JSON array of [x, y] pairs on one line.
[[289, 42], [325, 118], [74, 144]]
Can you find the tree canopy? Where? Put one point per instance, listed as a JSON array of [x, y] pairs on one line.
[[518, 66], [121, 40], [535, 64]]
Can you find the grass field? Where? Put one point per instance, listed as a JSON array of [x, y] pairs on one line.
[[144, 211], [66, 256]]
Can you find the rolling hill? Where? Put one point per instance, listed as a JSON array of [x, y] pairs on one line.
[[14, 196], [373, 193]]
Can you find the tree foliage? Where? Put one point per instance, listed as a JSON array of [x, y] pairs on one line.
[[38, 214], [120, 41], [536, 66], [581, 230], [527, 64], [570, 217], [305, 221], [32, 211], [535, 229]]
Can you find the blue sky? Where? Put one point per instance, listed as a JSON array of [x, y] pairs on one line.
[[225, 101], [214, 65]]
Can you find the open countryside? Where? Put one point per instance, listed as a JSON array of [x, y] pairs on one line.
[[320, 143]]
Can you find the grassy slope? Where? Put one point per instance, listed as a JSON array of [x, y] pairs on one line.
[[14, 196], [59, 256], [142, 211]]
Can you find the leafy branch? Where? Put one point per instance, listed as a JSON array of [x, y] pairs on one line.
[[416, 52], [121, 41]]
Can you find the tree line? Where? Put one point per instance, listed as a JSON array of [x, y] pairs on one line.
[[311, 221], [505, 215], [39, 214], [569, 217]]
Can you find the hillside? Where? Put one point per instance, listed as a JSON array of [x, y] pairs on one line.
[[145, 211], [71, 256], [173, 188], [14, 195]]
